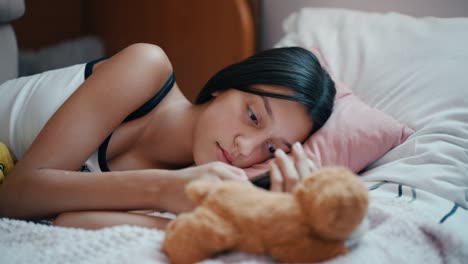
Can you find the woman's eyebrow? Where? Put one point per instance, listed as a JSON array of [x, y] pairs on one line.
[[266, 103]]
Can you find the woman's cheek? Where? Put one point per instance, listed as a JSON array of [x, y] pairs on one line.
[[257, 157]]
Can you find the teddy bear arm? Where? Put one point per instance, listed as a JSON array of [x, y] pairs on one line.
[[193, 237], [308, 250]]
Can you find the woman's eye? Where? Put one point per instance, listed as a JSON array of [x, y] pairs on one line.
[[253, 117], [271, 148]]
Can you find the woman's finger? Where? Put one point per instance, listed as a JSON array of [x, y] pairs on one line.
[[226, 172], [301, 161], [312, 165], [288, 170], [237, 171], [234, 175], [276, 179]]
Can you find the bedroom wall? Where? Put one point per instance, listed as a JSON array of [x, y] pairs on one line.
[[273, 12], [200, 37]]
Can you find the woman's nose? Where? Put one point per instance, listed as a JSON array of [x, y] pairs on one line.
[[247, 144]]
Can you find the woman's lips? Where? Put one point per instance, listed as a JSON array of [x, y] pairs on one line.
[[222, 155]]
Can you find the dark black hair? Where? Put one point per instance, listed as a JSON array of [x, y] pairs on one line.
[[292, 67]]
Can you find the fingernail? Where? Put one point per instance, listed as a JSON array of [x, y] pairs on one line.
[[298, 147], [280, 152], [245, 177], [312, 164]]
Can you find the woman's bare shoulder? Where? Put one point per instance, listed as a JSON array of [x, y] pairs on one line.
[[142, 60], [116, 88]]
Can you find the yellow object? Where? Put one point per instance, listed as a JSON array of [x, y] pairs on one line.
[[6, 162]]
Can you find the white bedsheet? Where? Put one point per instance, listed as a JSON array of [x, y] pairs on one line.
[[404, 228]]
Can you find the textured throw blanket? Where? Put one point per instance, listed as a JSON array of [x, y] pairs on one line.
[[401, 230]]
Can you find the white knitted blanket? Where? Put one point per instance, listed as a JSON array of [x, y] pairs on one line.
[[399, 233]]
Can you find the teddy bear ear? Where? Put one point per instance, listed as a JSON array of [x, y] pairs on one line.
[[198, 190]]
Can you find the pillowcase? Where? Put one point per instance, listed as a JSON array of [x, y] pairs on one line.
[[414, 69], [354, 136]]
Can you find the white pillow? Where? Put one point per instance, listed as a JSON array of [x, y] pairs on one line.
[[414, 69]]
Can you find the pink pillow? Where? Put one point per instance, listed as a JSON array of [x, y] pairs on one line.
[[354, 136]]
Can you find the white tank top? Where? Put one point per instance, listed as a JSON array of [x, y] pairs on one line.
[[27, 103]]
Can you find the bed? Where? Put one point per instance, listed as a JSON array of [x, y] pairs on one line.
[[400, 60]]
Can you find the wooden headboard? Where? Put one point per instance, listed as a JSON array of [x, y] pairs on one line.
[[200, 37]]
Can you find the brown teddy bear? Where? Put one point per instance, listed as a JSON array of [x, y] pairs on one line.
[[309, 225]]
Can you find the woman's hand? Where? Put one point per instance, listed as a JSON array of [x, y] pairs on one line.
[[216, 171], [286, 172], [176, 201]]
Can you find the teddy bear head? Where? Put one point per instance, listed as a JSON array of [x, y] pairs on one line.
[[334, 202]]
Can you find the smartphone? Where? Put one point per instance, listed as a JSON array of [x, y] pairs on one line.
[[262, 180]]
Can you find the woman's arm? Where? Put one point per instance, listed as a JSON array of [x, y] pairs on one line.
[[96, 220], [48, 192], [44, 183]]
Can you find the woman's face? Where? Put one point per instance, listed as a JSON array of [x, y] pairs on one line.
[[243, 129]]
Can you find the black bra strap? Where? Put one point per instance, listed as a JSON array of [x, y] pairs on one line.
[[90, 65], [102, 157], [143, 110], [153, 102]]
